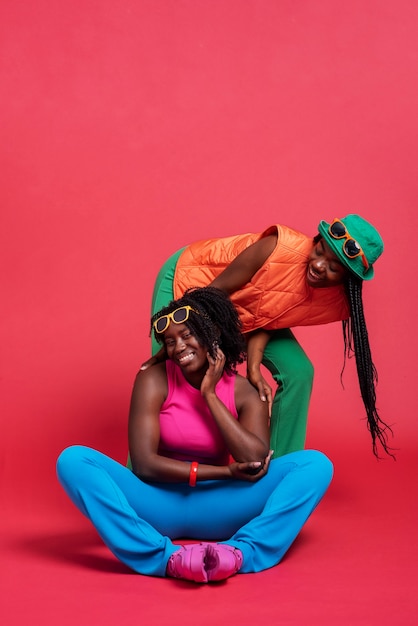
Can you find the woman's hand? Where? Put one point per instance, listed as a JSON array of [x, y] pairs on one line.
[[256, 344], [259, 382], [157, 358], [214, 372], [251, 471]]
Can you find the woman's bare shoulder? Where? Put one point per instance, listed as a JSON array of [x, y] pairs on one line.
[[155, 375], [243, 386]]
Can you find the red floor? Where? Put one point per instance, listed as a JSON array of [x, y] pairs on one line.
[[355, 563]]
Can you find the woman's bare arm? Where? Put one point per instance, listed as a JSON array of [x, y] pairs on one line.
[[247, 437], [256, 344], [241, 270]]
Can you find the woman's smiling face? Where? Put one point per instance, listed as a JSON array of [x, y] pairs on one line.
[[324, 269], [184, 349]]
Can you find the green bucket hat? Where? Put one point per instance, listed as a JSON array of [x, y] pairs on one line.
[[365, 235]]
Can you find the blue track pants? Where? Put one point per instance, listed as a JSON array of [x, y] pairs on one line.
[[138, 520]]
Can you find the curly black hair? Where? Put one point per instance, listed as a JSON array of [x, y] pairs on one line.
[[215, 323]]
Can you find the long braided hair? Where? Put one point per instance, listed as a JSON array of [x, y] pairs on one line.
[[216, 323], [356, 342]]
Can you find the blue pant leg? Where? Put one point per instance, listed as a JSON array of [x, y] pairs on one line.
[[297, 481], [109, 495]]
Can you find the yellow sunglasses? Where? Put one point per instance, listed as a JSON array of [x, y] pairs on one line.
[[179, 316]]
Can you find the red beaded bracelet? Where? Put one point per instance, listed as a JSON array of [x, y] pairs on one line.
[[193, 474]]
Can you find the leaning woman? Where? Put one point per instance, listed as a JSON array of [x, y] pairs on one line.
[[201, 463], [280, 279]]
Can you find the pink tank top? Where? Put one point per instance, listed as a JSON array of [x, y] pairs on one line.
[[188, 431]]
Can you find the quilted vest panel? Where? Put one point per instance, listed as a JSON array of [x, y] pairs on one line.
[[278, 295]]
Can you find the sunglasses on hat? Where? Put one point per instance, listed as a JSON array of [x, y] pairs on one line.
[[179, 316], [351, 247]]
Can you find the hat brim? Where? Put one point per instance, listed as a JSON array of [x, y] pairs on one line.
[[355, 266]]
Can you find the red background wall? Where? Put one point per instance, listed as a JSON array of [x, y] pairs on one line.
[[132, 128]]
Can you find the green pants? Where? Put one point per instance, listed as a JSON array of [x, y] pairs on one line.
[[283, 357]]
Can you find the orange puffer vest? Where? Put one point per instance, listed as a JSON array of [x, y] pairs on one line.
[[278, 295]]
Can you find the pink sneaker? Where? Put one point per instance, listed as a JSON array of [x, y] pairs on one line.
[[222, 561], [189, 563]]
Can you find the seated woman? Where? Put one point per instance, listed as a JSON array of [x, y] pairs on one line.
[[201, 464]]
